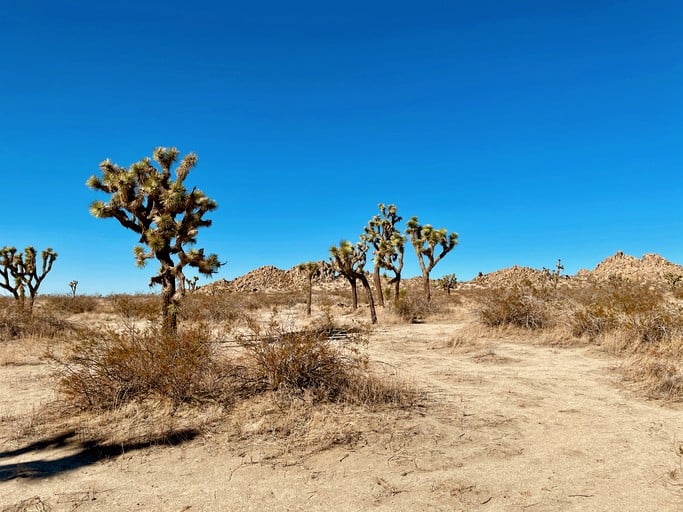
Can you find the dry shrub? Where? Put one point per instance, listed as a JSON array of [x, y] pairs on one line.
[[659, 369], [639, 311], [16, 322], [136, 306], [70, 305], [203, 307], [521, 305], [106, 368], [412, 306], [326, 364]]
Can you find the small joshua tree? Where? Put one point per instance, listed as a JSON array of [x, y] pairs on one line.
[[19, 272], [388, 244], [191, 283], [425, 240], [164, 213], [448, 282], [349, 260], [309, 269], [73, 285]]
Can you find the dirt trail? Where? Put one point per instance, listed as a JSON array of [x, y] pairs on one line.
[[507, 426]]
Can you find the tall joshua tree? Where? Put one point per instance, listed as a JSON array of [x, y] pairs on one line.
[[19, 272], [349, 260], [167, 216], [389, 246], [425, 240], [309, 269]]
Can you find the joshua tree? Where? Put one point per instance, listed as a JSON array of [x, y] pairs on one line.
[[391, 244], [448, 282], [349, 260], [191, 283], [388, 244], [309, 269], [164, 213], [73, 285], [19, 272], [425, 239]]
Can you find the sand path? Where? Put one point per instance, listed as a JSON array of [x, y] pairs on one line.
[[507, 426]]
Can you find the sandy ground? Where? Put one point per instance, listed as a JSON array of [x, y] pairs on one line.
[[506, 425]]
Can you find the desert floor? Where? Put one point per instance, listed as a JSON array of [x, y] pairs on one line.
[[505, 424]]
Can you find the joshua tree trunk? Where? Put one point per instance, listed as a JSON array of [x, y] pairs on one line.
[[354, 291], [425, 284], [169, 306], [371, 301], [378, 286], [397, 287]]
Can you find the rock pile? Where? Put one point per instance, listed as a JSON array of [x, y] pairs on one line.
[[512, 276], [270, 278], [651, 268]]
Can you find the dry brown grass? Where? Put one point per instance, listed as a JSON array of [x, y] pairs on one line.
[[521, 305], [326, 363], [106, 368], [42, 323]]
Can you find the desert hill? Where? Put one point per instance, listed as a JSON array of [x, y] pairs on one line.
[[651, 268], [270, 278]]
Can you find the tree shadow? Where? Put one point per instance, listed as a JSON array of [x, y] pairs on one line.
[[89, 452]]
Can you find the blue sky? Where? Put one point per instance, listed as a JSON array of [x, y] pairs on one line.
[[536, 130]]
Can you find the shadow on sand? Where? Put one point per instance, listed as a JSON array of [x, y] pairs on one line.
[[88, 452]]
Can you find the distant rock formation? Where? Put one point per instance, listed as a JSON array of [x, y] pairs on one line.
[[270, 278], [650, 268]]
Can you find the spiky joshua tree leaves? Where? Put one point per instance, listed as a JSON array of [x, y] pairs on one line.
[[20, 272], [425, 240], [150, 202], [349, 260]]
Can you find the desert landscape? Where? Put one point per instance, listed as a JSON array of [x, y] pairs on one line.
[[567, 398]]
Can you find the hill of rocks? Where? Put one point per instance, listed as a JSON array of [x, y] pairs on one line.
[[270, 278]]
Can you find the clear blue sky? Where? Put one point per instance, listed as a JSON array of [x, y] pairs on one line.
[[534, 129]]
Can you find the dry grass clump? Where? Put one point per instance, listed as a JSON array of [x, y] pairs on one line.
[[659, 370], [16, 322], [412, 306], [640, 312], [104, 369], [137, 306], [326, 364], [217, 307], [520, 305], [69, 304]]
